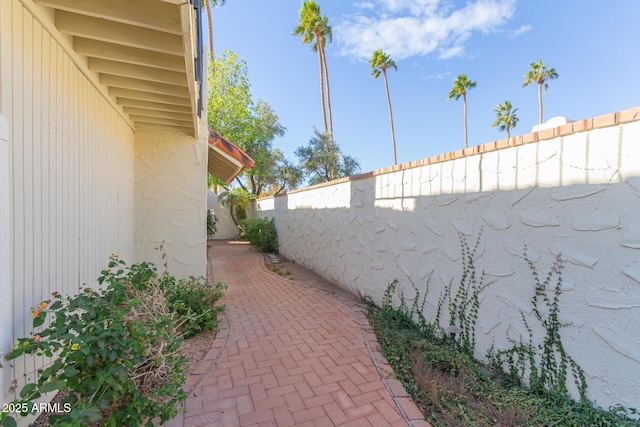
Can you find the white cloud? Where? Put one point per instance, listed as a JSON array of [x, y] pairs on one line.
[[414, 7], [520, 31], [406, 28], [439, 76], [365, 5]]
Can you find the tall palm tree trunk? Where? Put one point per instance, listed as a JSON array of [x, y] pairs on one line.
[[393, 134], [324, 109], [210, 19], [326, 76], [466, 140], [540, 100]]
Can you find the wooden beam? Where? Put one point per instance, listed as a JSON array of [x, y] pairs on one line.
[[137, 71], [116, 52], [154, 15], [115, 32], [156, 106], [143, 85], [147, 127], [118, 92], [133, 111], [158, 120], [189, 39]]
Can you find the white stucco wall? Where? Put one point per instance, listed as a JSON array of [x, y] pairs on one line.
[[171, 202], [226, 228], [577, 194]]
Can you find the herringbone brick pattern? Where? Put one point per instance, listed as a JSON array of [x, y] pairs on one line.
[[289, 354]]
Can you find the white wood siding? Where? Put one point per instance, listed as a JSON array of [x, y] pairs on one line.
[[71, 172]]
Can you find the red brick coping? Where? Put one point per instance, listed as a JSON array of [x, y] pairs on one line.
[[598, 122]]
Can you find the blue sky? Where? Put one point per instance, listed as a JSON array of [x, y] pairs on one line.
[[592, 44]]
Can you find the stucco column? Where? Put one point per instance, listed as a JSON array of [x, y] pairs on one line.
[[171, 202]]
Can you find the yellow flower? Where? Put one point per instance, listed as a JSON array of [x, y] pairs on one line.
[[35, 313], [43, 305], [74, 347], [16, 345]]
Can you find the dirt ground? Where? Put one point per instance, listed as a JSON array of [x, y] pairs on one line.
[[297, 273]]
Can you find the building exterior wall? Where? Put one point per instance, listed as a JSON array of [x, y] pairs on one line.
[[6, 288], [171, 202], [574, 192], [66, 159], [226, 228]]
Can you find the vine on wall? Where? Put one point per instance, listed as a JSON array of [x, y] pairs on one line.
[[464, 304], [547, 364], [545, 367]]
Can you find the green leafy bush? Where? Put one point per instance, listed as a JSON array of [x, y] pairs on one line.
[[117, 351], [212, 222], [261, 233], [193, 300]]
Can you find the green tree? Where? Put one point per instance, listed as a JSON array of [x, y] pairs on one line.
[[314, 29], [289, 177], [252, 126], [323, 161], [229, 103], [460, 87], [506, 117], [213, 182], [272, 172], [539, 73], [237, 200], [380, 63]]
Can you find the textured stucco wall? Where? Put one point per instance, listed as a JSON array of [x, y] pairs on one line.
[[226, 228], [171, 202], [577, 194]]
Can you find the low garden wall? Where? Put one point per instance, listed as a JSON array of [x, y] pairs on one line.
[[573, 190]]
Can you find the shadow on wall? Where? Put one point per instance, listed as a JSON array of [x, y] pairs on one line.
[[577, 195], [226, 229]]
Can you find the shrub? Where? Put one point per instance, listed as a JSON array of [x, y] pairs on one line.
[[261, 233], [193, 301], [117, 351], [212, 221]]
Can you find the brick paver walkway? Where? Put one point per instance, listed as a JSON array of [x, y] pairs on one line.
[[289, 354]]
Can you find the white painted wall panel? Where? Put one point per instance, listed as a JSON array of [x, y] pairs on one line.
[[70, 169], [578, 195]]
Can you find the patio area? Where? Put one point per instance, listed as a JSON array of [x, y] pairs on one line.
[[290, 352]]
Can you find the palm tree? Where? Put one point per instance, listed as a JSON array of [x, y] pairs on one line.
[[460, 87], [540, 74], [380, 62], [506, 117], [314, 29], [208, 4], [237, 200]]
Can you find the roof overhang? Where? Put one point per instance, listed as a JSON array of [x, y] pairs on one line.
[[145, 53], [226, 160]]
